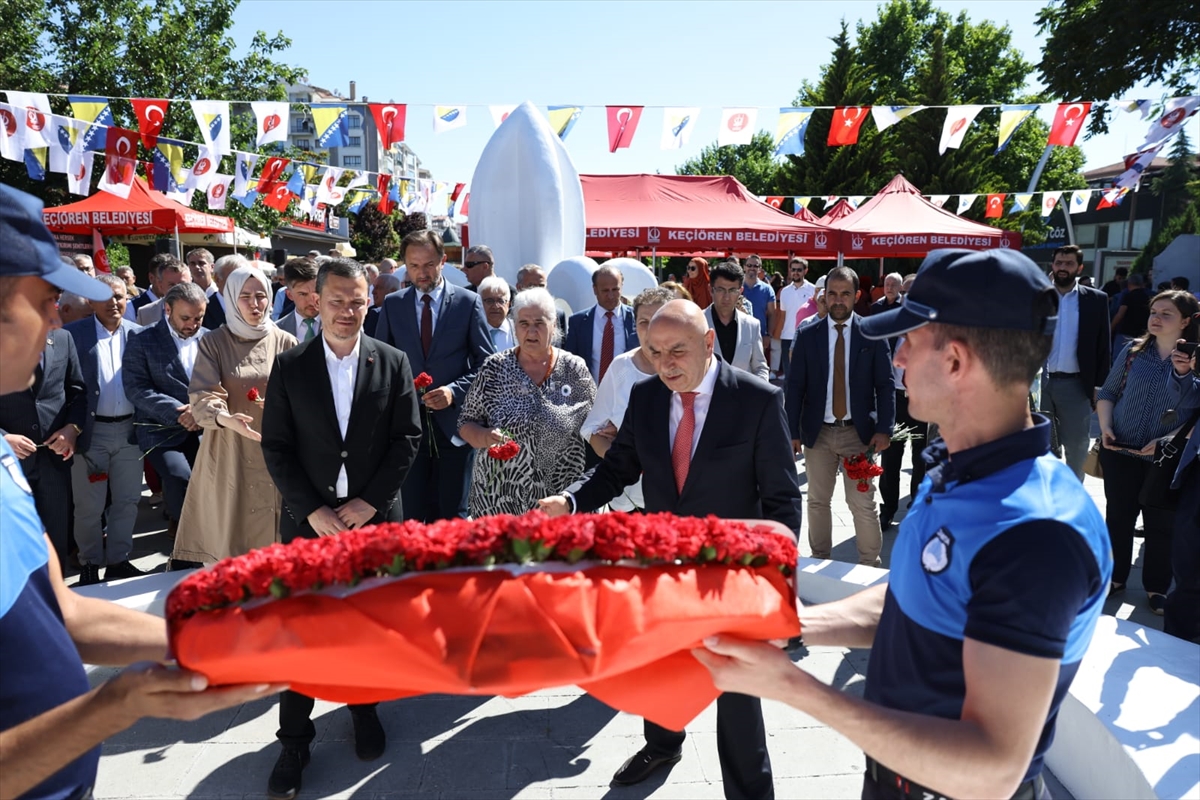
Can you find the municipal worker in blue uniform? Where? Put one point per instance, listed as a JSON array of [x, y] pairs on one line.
[[51, 722], [999, 571]]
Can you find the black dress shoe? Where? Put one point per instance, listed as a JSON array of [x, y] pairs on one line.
[[178, 565], [122, 569], [885, 519], [285, 777], [369, 739], [89, 575], [642, 765]]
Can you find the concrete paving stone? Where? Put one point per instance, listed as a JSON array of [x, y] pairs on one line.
[[335, 773], [256, 723], [215, 769], [158, 733], [133, 771], [779, 717], [428, 718], [809, 752], [453, 765], [818, 786], [535, 792], [583, 718], [534, 763]]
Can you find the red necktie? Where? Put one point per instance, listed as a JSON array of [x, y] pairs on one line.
[[426, 324], [607, 345], [681, 451]]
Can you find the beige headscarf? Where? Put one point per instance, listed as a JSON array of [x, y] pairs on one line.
[[238, 325]]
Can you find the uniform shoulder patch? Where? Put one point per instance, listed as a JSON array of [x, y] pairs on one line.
[[938, 551]]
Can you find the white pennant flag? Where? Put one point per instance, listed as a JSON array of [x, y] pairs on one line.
[[830, 201], [325, 190], [218, 191], [183, 196], [118, 176], [213, 118], [856, 200], [958, 119], [737, 126], [965, 201], [36, 110], [1175, 111], [204, 170], [271, 121], [79, 171], [12, 133], [939, 200], [500, 113], [677, 127], [242, 173], [887, 116], [359, 179], [1049, 201], [446, 118], [1080, 200], [68, 135]]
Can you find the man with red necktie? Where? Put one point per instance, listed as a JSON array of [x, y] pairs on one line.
[[605, 330]]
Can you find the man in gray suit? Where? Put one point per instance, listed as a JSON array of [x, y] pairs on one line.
[[300, 278], [739, 342], [167, 271]]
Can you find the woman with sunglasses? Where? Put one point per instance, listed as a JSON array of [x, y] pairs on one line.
[[697, 282], [1150, 394]]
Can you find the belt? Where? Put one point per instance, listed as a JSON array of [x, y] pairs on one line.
[[841, 423], [1029, 790], [121, 418], [1058, 375]]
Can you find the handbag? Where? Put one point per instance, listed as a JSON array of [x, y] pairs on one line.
[[1156, 489], [1091, 463]]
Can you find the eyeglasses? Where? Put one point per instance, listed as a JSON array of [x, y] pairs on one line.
[[472, 264], [494, 301], [736, 290]]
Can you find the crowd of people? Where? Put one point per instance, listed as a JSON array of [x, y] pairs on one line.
[[271, 404]]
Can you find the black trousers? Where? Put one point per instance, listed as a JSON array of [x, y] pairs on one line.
[[892, 458], [1182, 614], [438, 483], [50, 479], [174, 468], [1123, 479], [741, 746]]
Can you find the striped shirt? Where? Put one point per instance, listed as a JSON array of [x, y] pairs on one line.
[[1153, 390]]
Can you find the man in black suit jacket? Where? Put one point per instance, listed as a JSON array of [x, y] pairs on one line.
[[1079, 359], [214, 313], [340, 429], [837, 409], [587, 330], [52, 413], [443, 331], [739, 466]]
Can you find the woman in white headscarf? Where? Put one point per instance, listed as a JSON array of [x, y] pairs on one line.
[[232, 505]]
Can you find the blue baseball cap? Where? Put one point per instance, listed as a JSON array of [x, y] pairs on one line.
[[28, 248], [974, 289]]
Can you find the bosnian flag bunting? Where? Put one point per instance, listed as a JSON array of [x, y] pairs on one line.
[[846, 122], [1020, 202], [68, 136], [447, 118], [332, 123], [1080, 200], [213, 118], [622, 123], [167, 162], [887, 116], [270, 122], [563, 118], [789, 131], [1068, 122], [737, 126], [678, 124], [965, 201], [242, 172], [95, 112], [1011, 118]]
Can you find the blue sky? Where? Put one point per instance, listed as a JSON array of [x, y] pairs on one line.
[[706, 54]]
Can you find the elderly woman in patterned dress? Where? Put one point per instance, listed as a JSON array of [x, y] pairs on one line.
[[536, 394]]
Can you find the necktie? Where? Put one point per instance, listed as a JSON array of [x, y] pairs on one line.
[[607, 344], [839, 374], [426, 324], [308, 333], [681, 451], [497, 338]]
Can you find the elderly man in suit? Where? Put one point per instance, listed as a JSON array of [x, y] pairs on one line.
[[841, 402], [706, 439], [1079, 358], [214, 313], [531, 276], [300, 278], [738, 339], [605, 330], [340, 431], [157, 368], [168, 271], [443, 331], [108, 463]]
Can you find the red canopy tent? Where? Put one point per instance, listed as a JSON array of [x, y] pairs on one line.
[[899, 222], [841, 209], [804, 215], [691, 214], [144, 211]]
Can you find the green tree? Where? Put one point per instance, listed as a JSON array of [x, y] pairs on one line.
[[1172, 183], [1187, 221], [372, 233], [752, 164], [1099, 49]]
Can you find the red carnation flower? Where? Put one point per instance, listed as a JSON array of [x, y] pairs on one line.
[[97, 477], [504, 452], [253, 395], [422, 382]]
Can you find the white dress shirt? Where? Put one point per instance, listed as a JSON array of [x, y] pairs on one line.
[[612, 400], [700, 404], [187, 348], [503, 337], [598, 323], [792, 298], [109, 349], [302, 328], [435, 306], [1064, 352], [343, 372], [829, 417]]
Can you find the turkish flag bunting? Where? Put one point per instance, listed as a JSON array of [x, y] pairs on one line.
[[775, 202], [846, 122], [466, 204], [272, 171], [150, 117], [279, 198], [995, 205], [1068, 121], [385, 202], [622, 124], [389, 119], [120, 156], [458, 187]]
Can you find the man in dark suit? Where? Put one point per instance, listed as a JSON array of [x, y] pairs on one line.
[[892, 294], [300, 278], [443, 331], [1079, 359], [41, 425], [605, 330], [735, 464], [108, 465], [841, 401], [214, 313], [157, 368], [340, 428]]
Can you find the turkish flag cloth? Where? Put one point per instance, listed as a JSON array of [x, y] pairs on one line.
[[122, 145], [775, 202], [272, 171], [389, 120], [846, 122], [622, 124], [458, 187], [385, 201], [99, 254], [995, 205], [278, 198], [150, 117], [1068, 121]]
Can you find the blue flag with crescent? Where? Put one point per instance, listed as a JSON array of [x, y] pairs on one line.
[[333, 124], [789, 133]]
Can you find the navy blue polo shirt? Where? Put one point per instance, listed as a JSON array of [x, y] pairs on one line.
[[1002, 545], [40, 665]]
